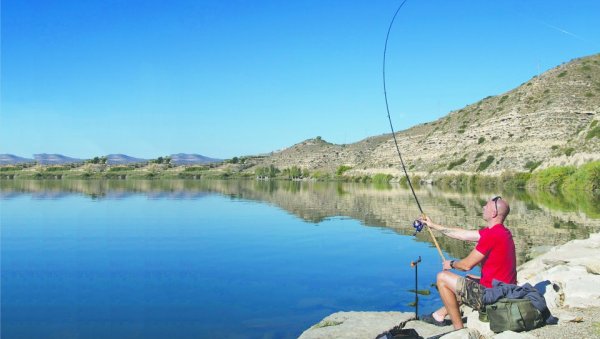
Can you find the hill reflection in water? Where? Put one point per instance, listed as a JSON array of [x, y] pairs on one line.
[[541, 219]]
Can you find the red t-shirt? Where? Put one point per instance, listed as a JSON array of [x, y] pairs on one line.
[[500, 261]]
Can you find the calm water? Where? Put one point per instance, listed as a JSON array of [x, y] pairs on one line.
[[233, 259]]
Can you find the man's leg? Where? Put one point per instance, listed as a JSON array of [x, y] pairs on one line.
[[446, 282], [442, 312]]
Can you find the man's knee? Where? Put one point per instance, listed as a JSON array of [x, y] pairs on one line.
[[446, 278], [443, 276]]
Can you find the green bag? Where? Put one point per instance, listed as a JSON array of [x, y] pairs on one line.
[[513, 315]]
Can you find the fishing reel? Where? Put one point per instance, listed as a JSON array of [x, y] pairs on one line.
[[418, 225]]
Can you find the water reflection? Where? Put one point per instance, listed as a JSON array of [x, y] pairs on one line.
[[537, 219]]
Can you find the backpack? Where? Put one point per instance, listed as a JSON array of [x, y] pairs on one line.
[[513, 315]]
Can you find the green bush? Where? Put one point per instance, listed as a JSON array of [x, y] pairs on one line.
[[585, 178], [515, 180], [569, 151], [593, 133], [532, 165], [195, 168], [550, 178], [57, 168], [343, 168], [456, 163], [381, 178], [270, 171], [481, 140], [485, 164], [118, 168], [293, 172], [319, 175], [9, 169]]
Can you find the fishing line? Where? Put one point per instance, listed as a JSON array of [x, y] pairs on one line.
[[417, 224], [387, 108]]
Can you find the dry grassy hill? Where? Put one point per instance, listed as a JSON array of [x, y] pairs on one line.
[[552, 119]]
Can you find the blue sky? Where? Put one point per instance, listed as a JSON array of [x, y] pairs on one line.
[[230, 78]]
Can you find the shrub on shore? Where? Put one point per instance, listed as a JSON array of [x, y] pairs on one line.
[[342, 169], [550, 178], [381, 178], [514, 180], [585, 178]]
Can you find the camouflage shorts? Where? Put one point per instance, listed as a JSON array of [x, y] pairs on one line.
[[470, 292]]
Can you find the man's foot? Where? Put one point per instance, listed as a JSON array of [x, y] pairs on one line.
[[430, 319]]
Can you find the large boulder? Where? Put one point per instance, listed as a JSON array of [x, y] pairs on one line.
[[356, 324], [569, 274]]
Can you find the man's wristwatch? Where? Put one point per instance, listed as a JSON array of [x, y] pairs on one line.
[[452, 263]]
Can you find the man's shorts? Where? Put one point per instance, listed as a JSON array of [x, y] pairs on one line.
[[470, 292]]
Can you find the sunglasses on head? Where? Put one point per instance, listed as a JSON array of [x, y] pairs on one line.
[[495, 200]]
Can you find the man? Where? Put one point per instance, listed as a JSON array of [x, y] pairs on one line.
[[495, 250]]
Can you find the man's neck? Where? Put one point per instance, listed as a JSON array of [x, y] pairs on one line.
[[494, 222]]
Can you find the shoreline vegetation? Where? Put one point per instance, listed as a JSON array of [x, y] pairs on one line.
[[563, 179]]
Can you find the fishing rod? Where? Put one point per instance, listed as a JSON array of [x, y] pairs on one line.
[[417, 224]]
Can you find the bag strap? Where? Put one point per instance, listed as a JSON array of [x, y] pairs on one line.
[[517, 318]]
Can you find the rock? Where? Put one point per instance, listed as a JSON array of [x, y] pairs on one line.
[[426, 330], [466, 310], [551, 262], [513, 335], [539, 250], [555, 297], [356, 324], [573, 267], [582, 290], [592, 265], [564, 316], [483, 328], [465, 333]]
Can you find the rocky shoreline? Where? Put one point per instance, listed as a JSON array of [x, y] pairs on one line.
[[569, 274]]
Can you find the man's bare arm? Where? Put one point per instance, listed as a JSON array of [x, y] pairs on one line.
[[466, 264], [453, 232]]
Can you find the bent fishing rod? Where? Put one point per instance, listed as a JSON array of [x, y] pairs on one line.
[[417, 224]]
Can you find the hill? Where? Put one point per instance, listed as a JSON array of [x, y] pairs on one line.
[[10, 159], [122, 159], [55, 159], [550, 120], [191, 159]]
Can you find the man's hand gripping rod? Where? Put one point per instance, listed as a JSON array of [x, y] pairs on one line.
[[418, 225]]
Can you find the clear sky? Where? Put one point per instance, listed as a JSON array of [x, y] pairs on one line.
[[230, 78]]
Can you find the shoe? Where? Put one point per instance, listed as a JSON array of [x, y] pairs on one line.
[[428, 318]]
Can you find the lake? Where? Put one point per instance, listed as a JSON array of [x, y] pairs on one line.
[[236, 258]]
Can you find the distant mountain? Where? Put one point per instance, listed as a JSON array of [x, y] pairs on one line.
[[9, 159], [122, 159], [54, 159], [191, 159]]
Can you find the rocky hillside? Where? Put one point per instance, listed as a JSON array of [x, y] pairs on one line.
[[552, 119]]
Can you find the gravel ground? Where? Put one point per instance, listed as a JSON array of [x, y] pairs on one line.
[[588, 327]]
